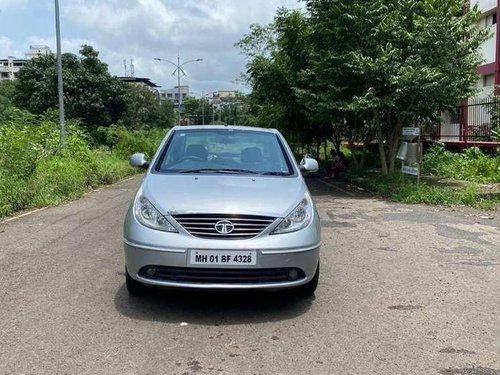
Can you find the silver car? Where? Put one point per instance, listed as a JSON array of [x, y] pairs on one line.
[[223, 207]]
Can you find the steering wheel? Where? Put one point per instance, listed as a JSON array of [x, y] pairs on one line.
[[190, 157]]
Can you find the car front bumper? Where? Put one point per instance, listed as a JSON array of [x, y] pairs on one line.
[[147, 247]]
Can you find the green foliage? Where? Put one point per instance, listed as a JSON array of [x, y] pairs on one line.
[[125, 142], [26, 139], [143, 109], [14, 193], [494, 112], [277, 54], [6, 94], [404, 189], [57, 178], [107, 168], [35, 172], [471, 165], [198, 111], [362, 70], [233, 110], [90, 92]]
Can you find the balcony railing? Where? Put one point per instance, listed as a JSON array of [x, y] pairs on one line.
[[475, 120]]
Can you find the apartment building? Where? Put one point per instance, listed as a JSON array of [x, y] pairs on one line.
[[471, 124], [489, 71], [173, 94], [10, 67]]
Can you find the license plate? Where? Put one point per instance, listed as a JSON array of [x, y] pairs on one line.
[[223, 257]]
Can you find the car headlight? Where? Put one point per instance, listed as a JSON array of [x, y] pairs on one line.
[[299, 218], [149, 216]]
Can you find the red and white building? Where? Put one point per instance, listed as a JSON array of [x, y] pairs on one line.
[[489, 71], [471, 123]]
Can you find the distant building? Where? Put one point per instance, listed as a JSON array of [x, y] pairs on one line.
[[37, 51], [172, 94], [10, 67], [222, 96]]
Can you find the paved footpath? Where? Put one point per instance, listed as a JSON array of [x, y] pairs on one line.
[[403, 290]]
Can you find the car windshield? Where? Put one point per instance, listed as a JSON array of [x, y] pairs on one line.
[[228, 151]]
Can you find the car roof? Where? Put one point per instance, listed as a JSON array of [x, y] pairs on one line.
[[236, 127]]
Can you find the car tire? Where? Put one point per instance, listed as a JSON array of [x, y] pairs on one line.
[[134, 287], [307, 290]]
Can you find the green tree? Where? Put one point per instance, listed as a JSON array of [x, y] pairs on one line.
[[274, 71], [394, 62], [6, 94], [362, 70], [195, 109], [144, 109], [90, 92]]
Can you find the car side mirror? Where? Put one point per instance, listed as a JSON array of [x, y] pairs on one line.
[[308, 165], [139, 160]]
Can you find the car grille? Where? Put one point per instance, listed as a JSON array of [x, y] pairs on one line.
[[203, 225], [223, 276]]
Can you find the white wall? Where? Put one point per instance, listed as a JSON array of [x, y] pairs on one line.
[[484, 5], [488, 48]]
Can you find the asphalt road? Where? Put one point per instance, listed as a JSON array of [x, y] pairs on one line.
[[403, 290]]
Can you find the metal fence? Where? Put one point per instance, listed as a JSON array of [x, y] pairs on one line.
[[474, 120]]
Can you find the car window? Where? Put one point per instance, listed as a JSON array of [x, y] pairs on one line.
[[224, 151]]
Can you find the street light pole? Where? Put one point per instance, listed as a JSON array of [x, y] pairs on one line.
[[202, 108], [59, 77], [178, 70], [179, 80]]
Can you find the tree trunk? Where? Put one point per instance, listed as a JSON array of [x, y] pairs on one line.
[[337, 131], [366, 143], [380, 139], [394, 143], [354, 159], [363, 157]]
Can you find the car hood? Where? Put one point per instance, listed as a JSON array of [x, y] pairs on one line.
[[258, 195]]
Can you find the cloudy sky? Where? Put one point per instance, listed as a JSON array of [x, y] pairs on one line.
[[142, 30]]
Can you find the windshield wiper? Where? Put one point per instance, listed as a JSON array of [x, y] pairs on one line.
[[218, 170], [275, 173]]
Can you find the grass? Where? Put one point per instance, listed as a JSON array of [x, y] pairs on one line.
[[471, 165], [58, 179], [35, 171], [405, 189]]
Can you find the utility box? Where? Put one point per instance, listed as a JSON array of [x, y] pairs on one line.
[[410, 152], [414, 153]]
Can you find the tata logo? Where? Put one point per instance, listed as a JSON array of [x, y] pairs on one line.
[[224, 227]]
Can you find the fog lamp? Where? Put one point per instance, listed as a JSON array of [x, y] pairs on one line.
[[293, 274], [151, 271]]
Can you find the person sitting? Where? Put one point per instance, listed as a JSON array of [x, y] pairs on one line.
[[339, 164]]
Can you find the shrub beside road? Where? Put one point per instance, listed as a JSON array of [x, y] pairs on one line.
[[469, 178], [36, 172]]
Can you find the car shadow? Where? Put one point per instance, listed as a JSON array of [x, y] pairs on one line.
[[211, 307]]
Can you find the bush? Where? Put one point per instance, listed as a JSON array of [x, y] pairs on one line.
[[106, 168], [404, 189], [14, 193], [58, 178], [35, 171], [471, 165], [125, 142]]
